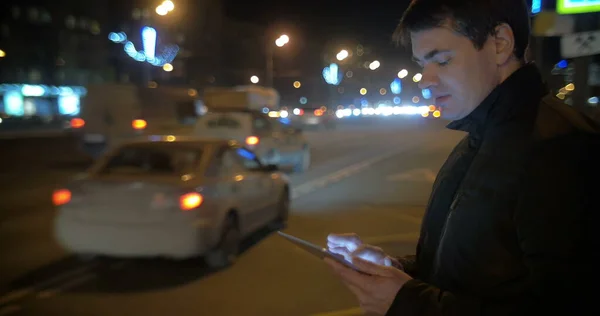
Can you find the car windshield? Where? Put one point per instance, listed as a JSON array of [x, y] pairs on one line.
[[154, 159]]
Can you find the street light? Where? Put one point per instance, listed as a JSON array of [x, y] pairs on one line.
[[374, 65], [297, 84], [343, 54], [168, 67], [2, 53], [169, 5], [165, 7], [254, 79], [281, 41], [417, 77], [403, 73], [363, 91]]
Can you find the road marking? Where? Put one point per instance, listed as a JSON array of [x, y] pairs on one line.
[[420, 174], [344, 312], [19, 294], [69, 285], [9, 310], [313, 185]]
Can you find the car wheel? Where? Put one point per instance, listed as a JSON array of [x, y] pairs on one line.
[[283, 211], [227, 250], [304, 162]]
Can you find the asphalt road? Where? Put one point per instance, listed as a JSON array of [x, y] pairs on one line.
[[372, 179]]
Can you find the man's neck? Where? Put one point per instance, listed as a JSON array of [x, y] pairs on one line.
[[508, 69]]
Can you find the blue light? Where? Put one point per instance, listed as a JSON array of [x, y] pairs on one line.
[[69, 104], [364, 102], [245, 153], [265, 110], [397, 100], [332, 74], [285, 120], [536, 6], [396, 86], [149, 42], [112, 36], [562, 64], [33, 90], [150, 53], [303, 100], [426, 93], [13, 103]]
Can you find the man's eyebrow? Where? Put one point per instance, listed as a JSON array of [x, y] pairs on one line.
[[430, 55]]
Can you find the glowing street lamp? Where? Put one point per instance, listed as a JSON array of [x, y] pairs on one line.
[[417, 77], [168, 67], [297, 84], [374, 65], [165, 7], [403, 73], [343, 54], [2, 53], [254, 79], [281, 41]]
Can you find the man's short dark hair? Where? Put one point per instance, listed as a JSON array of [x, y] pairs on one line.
[[475, 19]]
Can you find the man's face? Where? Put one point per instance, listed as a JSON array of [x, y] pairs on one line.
[[458, 75]]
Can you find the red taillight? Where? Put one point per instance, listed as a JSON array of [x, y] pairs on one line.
[[61, 197], [318, 113], [77, 123], [252, 140], [138, 124], [190, 201], [301, 112]]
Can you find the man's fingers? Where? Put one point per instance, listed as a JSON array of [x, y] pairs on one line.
[[341, 251], [350, 241], [371, 268]]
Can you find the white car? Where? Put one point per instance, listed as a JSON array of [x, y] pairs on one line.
[[171, 196], [276, 143]]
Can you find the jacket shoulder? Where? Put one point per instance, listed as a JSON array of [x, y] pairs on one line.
[[556, 119]]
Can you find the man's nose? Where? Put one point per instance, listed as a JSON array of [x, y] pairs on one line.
[[428, 79]]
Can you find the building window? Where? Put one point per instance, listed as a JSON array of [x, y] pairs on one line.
[[70, 21], [95, 28], [136, 14], [34, 15], [16, 12]]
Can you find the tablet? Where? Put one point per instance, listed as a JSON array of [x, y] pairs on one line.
[[317, 251]]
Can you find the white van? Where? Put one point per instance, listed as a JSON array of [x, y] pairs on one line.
[[275, 142], [112, 113]]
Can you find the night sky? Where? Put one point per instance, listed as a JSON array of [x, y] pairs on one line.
[[370, 22]]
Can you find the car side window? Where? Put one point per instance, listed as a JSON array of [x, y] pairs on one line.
[[261, 124], [218, 163], [247, 158], [231, 160]]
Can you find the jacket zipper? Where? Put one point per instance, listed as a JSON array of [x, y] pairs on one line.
[[438, 252]]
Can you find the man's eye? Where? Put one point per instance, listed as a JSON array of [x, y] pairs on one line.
[[444, 63]]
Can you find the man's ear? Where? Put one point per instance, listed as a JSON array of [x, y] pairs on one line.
[[504, 41]]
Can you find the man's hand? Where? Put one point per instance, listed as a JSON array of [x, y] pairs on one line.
[[376, 288], [350, 245]]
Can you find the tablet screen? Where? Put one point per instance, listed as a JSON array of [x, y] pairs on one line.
[[317, 251]]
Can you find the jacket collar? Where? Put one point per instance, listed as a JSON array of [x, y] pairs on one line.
[[522, 89]]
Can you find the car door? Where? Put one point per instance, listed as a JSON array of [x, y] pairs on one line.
[[262, 187], [270, 142]]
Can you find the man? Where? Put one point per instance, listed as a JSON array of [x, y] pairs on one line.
[[507, 230]]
